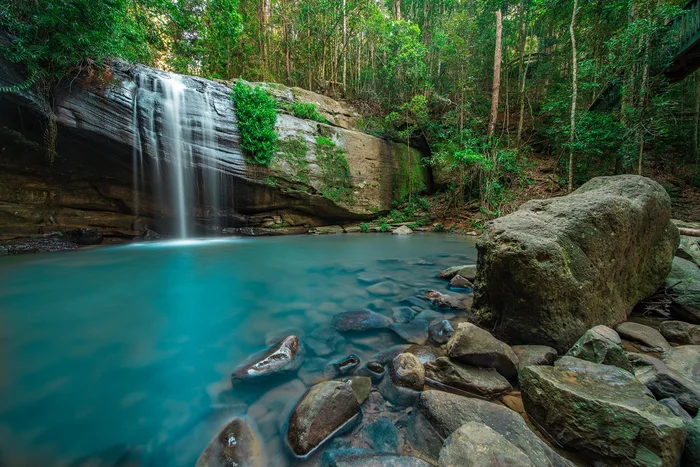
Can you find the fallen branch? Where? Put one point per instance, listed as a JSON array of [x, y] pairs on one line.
[[689, 232]]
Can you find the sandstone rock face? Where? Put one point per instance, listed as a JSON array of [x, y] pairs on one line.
[[236, 444], [438, 414], [474, 346], [553, 269], [476, 445], [575, 398], [684, 285], [601, 345], [323, 410], [81, 190]]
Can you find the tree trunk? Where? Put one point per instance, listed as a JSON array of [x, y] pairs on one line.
[[643, 104], [522, 72], [345, 46], [496, 75], [396, 9], [574, 94], [696, 119]]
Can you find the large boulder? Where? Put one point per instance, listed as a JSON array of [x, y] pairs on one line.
[[453, 376], [556, 267], [438, 414], [601, 345], [236, 444], [476, 445], [602, 412], [475, 346], [683, 283]]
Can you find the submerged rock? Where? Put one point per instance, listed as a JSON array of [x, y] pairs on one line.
[[367, 458], [403, 314], [384, 288], [474, 346], [358, 321], [601, 345], [534, 355], [475, 445], [237, 444], [440, 331], [453, 376], [438, 414], [562, 260], [121, 455], [680, 332], [361, 387], [382, 436], [467, 271], [645, 335], [324, 341], [374, 370], [345, 365], [575, 398], [323, 410], [284, 357], [684, 285], [415, 332], [459, 282]]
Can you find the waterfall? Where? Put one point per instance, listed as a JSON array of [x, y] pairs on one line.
[[174, 138]]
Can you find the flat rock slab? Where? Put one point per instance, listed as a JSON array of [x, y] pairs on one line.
[[534, 355], [684, 359], [458, 377], [475, 346], [438, 414], [665, 382], [456, 302], [680, 332], [236, 444], [359, 321], [476, 445], [645, 335], [575, 398], [601, 344]]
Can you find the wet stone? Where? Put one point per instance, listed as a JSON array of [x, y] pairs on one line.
[[363, 320], [413, 302], [285, 357], [324, 341], [374, 370], [453, 376], [440, 331], [457, 302], [346, 364], [415, 332], [365, 458], [534, 355], [382, 436], [236, 445], [403, 314], [425, 353], [459, 282], [385, 288], [387, 355]]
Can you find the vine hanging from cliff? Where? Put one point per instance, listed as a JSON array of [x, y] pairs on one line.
[[257, 114]]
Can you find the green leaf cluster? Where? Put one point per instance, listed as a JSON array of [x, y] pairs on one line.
[[257, 115]]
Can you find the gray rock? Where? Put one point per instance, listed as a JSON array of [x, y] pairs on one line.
[[323, 411], [561, 257], [366, 458], [474, 346], [459, 282], [407, 371], [344, 365], [415, 332], [384, 288], [665, 382], [680, 332], [468, 271], [284, 357], [403, 230], [425, 353], [689, 249], [387, 355], [440, 331], [575, 398], [382, 436], [534, 355], [403, 314], [452, 376], [236, 444], [358, 321], [601, 345], [691, 453], [373, 370], [457, 302], [475, 445], [685, 359], [645, 335], [676, 408], [683, 283], [438, 414], [414, 302]]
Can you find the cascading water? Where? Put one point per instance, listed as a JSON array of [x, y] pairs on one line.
[[173, 133]]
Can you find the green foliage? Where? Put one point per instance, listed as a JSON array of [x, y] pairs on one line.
[[336, 181], [383, 227], [364, 227], [257, 115], [438, 227], [292, 154], [308, 111]]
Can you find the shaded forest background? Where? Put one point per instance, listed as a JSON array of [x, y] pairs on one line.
[[421, 71]]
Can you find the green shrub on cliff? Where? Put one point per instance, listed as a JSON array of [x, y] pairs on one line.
[[257, 114], [308, 111], [335, 172]]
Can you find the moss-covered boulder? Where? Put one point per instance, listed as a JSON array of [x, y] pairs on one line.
[[602, 412], [556, 267]]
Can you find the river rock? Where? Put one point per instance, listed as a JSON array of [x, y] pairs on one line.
[[675, 407], [680, 332], [438, 414], [361, 387], [324, 341], [387, 355], [415, 332], [475, 445], [534, 355], [665, 382], [403, 230], [575, 398], [689, 249], [440, 331], [475, 346], [457, 302], [384, 288], [683, 283], [237, 444], [645, 335], [284, 357], [561, 257], [459, 282], [366, 458], [414, 302], [601, 345], [684, 359], [407, 371], [467, 271], [426, 353], [359, 321], [344, 365], [403, 314], [323, 410], [374, 370], [452, 376], [382, 436]]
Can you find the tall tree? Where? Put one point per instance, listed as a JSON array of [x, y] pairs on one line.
[[574, 93], [496, 74]]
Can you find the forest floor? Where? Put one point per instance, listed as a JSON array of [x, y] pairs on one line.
[[685, 198]]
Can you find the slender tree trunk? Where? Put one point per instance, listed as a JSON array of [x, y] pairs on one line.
[[696, 119], [574, 94], [396, 9], [345, 46], [496, 75], [522, 72], [643, 104]]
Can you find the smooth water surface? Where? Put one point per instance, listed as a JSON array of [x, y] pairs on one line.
[[129, 349]]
